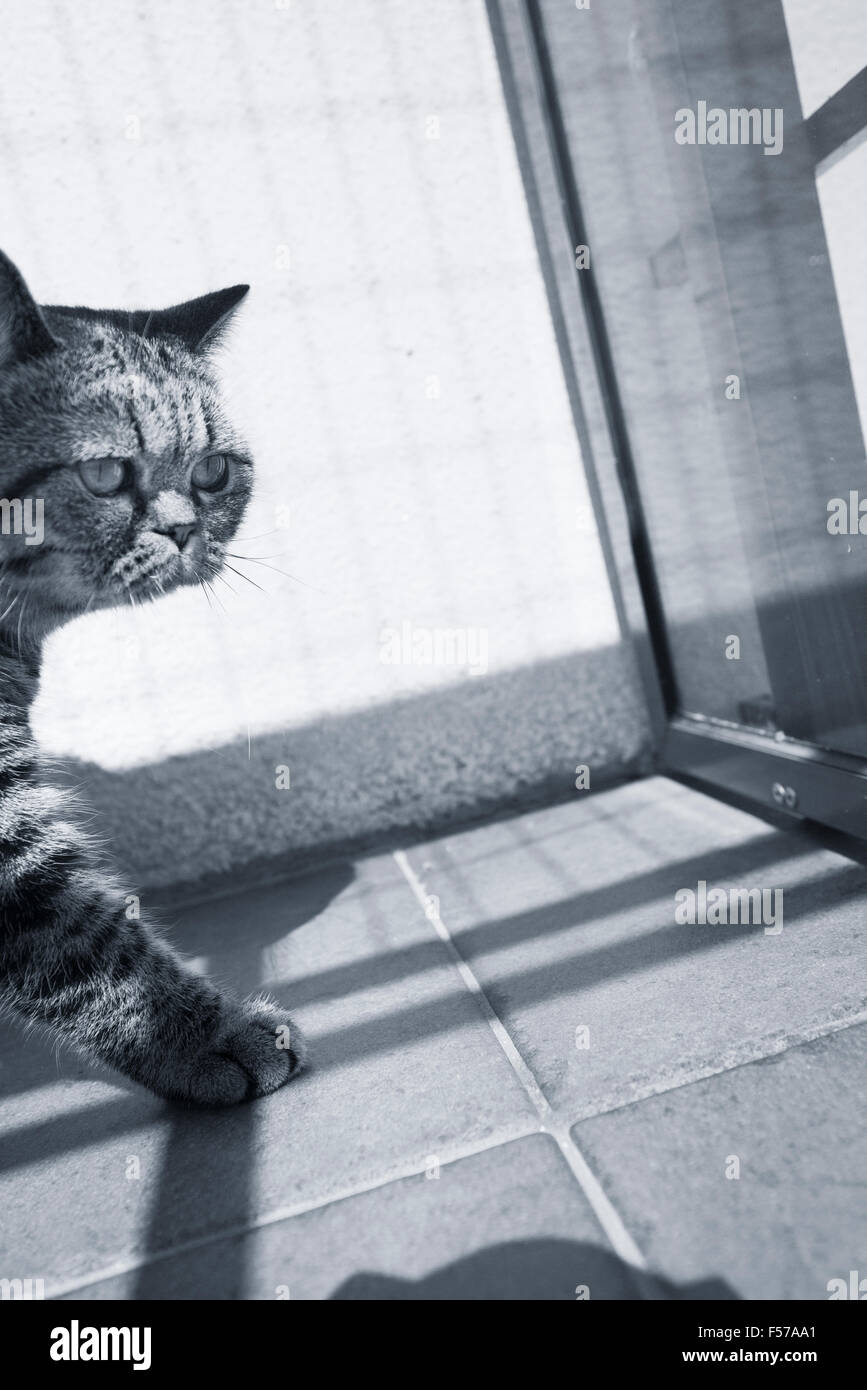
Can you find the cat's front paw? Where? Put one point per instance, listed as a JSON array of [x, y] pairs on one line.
[[257, 1050]]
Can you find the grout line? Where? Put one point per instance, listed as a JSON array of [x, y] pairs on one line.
[[605, 1213], [454, 1154], [766, 1047], [753, 1053]]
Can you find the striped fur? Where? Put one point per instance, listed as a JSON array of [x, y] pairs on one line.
[[79, 385]]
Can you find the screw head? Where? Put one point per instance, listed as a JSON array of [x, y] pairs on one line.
[[784, 796]]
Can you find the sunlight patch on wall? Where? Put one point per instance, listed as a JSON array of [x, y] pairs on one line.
[[394, 366]]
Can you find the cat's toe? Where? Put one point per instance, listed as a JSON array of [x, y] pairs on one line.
[[267, 1046], [256, 1051], [214, 1080]]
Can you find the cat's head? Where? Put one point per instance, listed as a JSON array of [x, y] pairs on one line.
[[120, 477]]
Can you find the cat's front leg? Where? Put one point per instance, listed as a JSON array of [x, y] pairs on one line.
[[71, 959]]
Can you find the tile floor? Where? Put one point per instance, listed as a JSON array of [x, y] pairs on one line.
[[528, 1081]]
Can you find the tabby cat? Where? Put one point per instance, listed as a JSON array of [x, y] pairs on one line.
[[110, 422]]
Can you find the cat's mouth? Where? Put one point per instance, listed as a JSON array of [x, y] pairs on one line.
[[158, 569], [68, 585], [156, 580]]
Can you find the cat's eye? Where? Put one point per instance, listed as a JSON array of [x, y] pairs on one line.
[[211, 474], [103, 477]]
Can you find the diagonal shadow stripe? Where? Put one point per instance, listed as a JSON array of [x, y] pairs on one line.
[[551, 918], [210, 1158], [381, 1033]]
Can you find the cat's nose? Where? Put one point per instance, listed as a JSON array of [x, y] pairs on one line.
[[180, 532]]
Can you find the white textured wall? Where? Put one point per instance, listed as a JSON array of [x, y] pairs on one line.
[[829, 46], [828, 51], [352, 159]]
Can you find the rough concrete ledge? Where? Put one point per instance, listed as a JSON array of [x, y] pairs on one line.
[[419, 766]]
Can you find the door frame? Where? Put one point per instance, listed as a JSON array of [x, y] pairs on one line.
[[773, 774]]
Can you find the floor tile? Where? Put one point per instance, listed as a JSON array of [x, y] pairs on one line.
[[792, 1126], [567, 918], [403, 1067], [508, 1223]]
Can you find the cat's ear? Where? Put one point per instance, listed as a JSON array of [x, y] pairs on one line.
[[200, 323], [23, 331]]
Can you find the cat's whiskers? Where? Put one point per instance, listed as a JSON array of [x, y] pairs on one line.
[[7, 611], [247, 577], [255, 560], [201, 583], [21, 612], [278, 554], [225, 581], [216, 597], [263, 535]]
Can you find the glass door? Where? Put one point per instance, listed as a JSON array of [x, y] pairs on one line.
[[712, 183]]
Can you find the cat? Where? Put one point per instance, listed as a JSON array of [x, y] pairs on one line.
[[112, 422]]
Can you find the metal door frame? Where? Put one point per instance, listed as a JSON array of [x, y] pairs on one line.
[[770, 774]]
